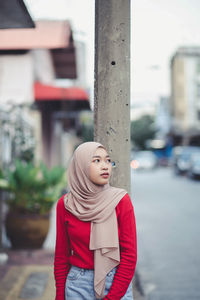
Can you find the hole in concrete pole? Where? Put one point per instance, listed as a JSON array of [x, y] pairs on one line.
[[113, 63]]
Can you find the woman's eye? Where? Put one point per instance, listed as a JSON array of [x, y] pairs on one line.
[[97, 160], [109, 160]]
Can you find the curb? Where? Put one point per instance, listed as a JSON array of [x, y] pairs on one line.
[[138, 292]]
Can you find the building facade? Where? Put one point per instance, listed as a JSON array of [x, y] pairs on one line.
[[185, 91], [42, 70]]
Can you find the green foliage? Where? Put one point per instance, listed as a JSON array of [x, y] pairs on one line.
[[86, 120], [142, 130], [32, 188], [3, 181], [87, 132]]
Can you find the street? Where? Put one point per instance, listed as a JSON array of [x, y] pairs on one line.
[[167, 209]]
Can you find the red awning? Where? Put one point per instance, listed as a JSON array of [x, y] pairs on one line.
[[47, 92]]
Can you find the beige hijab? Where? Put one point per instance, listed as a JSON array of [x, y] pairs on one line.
[[91, 202]]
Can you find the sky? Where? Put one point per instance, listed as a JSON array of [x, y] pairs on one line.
[[158, 28]]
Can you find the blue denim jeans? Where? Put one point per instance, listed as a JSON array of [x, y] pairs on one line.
[[80, 285]]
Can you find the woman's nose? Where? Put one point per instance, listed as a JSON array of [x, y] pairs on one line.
[[104, 166]]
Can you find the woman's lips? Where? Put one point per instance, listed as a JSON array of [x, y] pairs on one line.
[[105, 175]]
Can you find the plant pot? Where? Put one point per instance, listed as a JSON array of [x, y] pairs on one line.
[[26, 231]]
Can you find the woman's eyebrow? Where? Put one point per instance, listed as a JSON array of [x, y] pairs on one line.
[[98, 156]]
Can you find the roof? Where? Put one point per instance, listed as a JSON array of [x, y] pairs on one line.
[[44, 92], [14, 14], [46, 34]]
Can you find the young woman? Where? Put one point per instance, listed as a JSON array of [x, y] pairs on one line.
[[96, 251]]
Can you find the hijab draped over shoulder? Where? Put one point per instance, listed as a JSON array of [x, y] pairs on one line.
[[95, 203]]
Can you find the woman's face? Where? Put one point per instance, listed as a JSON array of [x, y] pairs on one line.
[[100, 167]]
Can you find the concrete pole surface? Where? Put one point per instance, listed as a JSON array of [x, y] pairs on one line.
[[112, 85]]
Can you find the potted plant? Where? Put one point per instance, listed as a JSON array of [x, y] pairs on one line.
[[32, 191], [3, 181]]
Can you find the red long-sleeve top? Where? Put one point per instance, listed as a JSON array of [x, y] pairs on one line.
[[72, 248]]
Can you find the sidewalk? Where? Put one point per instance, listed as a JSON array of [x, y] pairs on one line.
[[28, 275]]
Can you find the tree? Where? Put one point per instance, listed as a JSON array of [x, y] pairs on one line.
[[87, 132], [142, 130]]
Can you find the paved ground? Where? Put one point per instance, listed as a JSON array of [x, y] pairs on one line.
[[27, 275], [138, 293], [167, 209]]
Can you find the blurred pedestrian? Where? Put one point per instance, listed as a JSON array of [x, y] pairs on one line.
[[96, 251]]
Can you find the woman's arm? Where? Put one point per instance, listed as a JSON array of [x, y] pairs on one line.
[[128, 248], [62, 252]]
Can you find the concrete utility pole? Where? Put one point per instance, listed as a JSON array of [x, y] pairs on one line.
[[112, 84]]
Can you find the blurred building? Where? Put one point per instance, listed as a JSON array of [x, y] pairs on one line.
[[185, 94], [44, 69], [162, 118], [141, 108]]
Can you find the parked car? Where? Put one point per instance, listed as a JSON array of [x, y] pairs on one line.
[[176, 153], [182, 158], [194, 170], [143, 160]]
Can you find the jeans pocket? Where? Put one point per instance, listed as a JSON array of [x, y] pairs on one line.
[[73, 274], [109, 278], [110, 275]]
